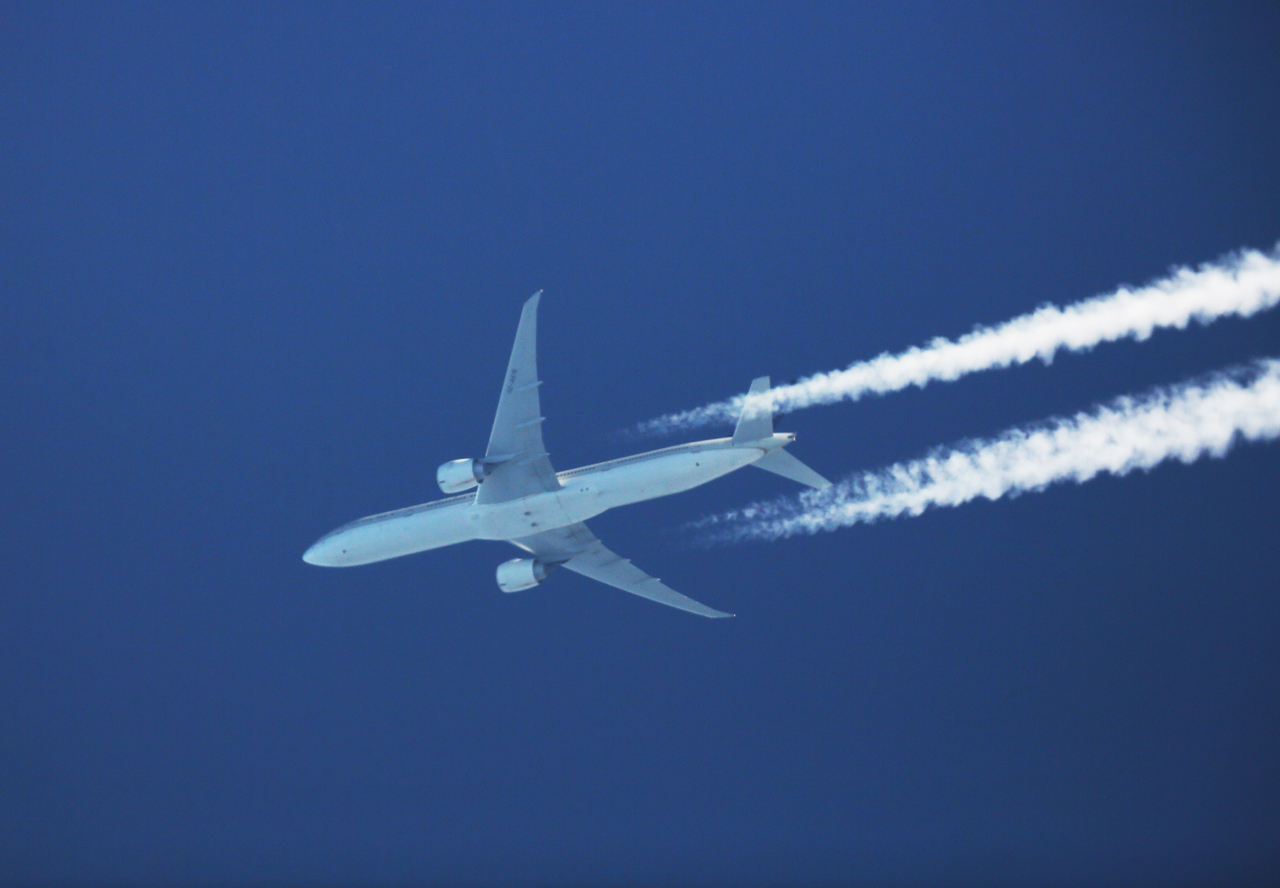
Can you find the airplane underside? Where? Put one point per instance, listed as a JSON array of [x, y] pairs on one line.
[[520, 499]]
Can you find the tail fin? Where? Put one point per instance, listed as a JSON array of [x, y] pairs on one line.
[[756, 420]]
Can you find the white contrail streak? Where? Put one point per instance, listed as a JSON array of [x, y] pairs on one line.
[[1242, 284], [1184, 422]]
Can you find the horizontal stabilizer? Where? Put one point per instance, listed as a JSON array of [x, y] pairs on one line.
[[782, 463]]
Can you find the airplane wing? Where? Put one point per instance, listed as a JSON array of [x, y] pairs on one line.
[[515, 444], [577, 549]]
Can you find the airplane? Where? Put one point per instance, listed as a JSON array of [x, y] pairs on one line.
[[513, 494]]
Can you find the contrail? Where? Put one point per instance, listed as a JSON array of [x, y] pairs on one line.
[[1242, 284], [1184, 422]]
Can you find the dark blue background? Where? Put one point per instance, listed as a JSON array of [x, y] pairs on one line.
[[260, 270]]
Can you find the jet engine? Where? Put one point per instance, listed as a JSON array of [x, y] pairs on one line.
[[458, 475], [521, 573]]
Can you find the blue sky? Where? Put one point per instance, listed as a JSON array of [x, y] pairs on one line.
[[261, 269]]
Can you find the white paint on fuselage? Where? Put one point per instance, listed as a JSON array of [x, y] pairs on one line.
[[584, 493]]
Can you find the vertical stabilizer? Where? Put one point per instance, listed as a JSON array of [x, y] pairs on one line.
[[756, 419]]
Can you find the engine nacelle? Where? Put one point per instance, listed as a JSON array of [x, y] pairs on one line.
[[458, 475], [520, 573]]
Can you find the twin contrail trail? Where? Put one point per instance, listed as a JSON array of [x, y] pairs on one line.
[[1241, 284], [1184, 422]]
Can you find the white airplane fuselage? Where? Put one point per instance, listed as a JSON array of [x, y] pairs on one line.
[[584, 493]]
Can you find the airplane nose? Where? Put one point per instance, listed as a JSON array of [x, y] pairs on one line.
[[315, 555]]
